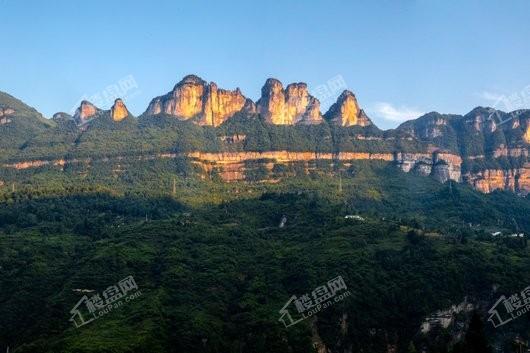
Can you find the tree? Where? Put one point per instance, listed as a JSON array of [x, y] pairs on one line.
[[411, 348], [475, 340]]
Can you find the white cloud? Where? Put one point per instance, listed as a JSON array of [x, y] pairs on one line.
[[508, 102], [399, 114], [494, 97]]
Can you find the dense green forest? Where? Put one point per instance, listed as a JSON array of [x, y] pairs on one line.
[[214, 267]]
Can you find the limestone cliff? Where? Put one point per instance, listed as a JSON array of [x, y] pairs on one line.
[[220, 104], [231, 166], [430, 126], [85, 112], [195, 98], [119, 111], [290, 106], [346, 112], [515, 180], [441, 166]]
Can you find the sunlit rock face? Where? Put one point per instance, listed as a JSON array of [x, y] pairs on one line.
[[517, 180], [195, 98], [272, 103], [290, 106], [184, 101], [119, 111], [346, 112], [220, 104], [85, 112]]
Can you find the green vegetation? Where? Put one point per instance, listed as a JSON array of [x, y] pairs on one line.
[[214, 267], [20, 126], [212, 262]]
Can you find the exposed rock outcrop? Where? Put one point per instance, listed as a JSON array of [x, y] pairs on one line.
[[346, 112], [408, 161], [119, 111], [86, 112], [231, 166], [250, 107], [505, 151], [290, 106], [447, 317], [515, 180], [195, 98], [61, 116], [483, 119], [441, 171], [220, 104], [6, 111], [441, 166], [427, 127]]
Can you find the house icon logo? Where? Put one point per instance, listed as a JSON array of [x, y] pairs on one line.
[[83, 312], [286, 318]]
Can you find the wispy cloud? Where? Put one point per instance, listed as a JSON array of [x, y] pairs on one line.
[[402, 113], [507, 102], [490, 96]]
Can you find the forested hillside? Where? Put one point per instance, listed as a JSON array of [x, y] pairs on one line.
[[215, 267]]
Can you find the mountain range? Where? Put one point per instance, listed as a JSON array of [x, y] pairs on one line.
[[223, 133], [223, 208]]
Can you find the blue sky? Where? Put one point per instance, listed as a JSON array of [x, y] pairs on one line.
[[400, 58]]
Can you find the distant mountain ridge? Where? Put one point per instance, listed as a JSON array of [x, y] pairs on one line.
[[224, 130]]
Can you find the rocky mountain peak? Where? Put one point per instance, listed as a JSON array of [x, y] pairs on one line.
[[272, 83], [194, 98], [482, 117], [119, 111], [191, 79], [85, 112], [61, 116], [346, 111], [249, 107], [288, 106], [220, 104]]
